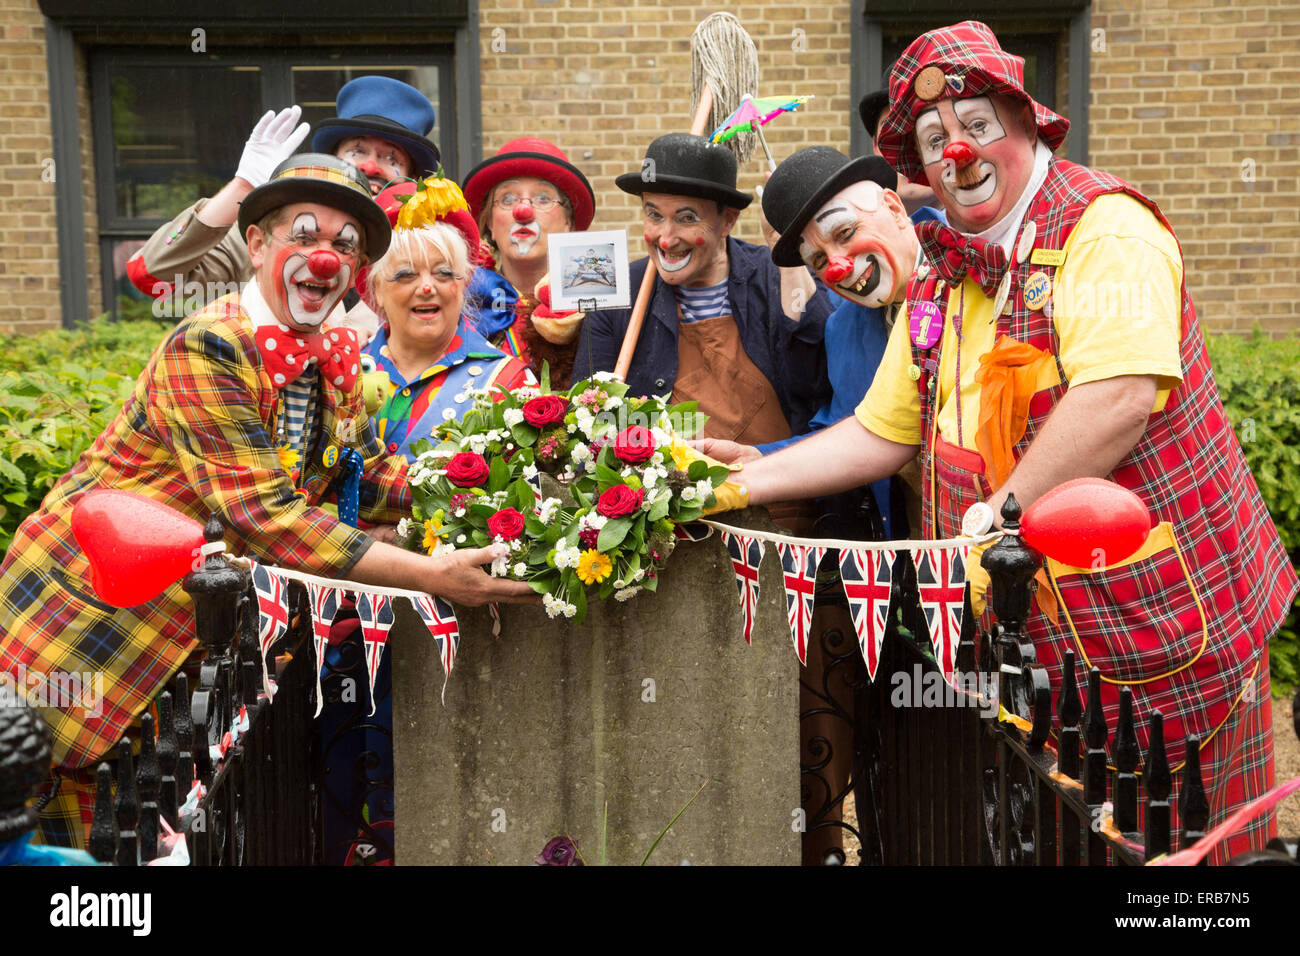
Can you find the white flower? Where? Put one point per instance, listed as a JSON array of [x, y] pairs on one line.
[[613, 402], [500, 566], [547, 509], [626, 594], [592, 521], [460, 539], [459, 513], [580, 452], [530, 471], [513, 416], [571, 429], [520, 569], [570, 610], [443, 548], [688, 494], [620, 583], [448, 414], [703, 488], [525, 392], [640, 573], [404, 527], [605, 377]]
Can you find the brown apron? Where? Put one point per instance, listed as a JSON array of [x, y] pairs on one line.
[[713, 369]]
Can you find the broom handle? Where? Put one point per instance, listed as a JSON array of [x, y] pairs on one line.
[[648, 280]]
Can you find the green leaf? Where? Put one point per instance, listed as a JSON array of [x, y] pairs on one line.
[[670, 824], [607, 476], [498, 476], [612, 535], [544, 377], [524, 434], [659, 509], [698, 470]]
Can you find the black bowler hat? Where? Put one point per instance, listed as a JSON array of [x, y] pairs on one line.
[[324, 179], [871, 107], [804, 182], [683, 165]]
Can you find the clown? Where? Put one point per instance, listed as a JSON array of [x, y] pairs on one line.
[[381, 129], [1034, 379], [717, 329], [527, 191], [246, 410]]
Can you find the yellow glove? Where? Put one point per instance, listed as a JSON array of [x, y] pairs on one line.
[[978, 578], [730, 495]]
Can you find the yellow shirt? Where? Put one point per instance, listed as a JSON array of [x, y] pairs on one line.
[[1117, 304]]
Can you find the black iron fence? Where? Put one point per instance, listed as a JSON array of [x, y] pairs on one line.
[[969, 783], [223, 765]]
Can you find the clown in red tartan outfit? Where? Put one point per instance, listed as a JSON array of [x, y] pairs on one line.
[[1184, 622], [197, 435]]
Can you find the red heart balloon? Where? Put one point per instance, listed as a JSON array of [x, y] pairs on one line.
[[1087, 522], [137, 547]]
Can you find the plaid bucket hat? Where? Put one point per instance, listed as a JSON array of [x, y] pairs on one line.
[[955, 62]]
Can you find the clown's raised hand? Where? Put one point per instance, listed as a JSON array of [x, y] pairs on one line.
[[273, 140]]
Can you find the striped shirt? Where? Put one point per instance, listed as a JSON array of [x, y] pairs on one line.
[[706, 303], [297, 411]]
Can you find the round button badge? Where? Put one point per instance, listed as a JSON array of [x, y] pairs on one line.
[[1037, 290], [925, 325]]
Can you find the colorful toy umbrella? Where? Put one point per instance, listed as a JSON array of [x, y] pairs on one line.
[[752, 115]]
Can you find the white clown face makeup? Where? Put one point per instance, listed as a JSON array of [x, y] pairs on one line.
[[524, 211], [861, 244], [304, 273], [978, 157]]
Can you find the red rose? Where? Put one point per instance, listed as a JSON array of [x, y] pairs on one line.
[[507, 524], [467, 470], [634, 445], [620, 501], [545, 410]]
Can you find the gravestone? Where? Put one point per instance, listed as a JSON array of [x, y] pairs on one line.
[[547, 724]]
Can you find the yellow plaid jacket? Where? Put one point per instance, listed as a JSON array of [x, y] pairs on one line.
[[198, 435]]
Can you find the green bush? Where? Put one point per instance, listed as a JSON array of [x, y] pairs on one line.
[[1259, 382], [58, 391]]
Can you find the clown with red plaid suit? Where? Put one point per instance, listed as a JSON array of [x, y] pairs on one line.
[[1048, 335], [243, 411]]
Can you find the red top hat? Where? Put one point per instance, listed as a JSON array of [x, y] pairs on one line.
[[532, 156], [954, 62]]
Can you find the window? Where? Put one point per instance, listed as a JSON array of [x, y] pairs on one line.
[[169, 128]]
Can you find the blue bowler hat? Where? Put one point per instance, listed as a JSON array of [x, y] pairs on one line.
[[387, 108]]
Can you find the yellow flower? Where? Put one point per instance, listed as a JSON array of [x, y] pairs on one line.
[[681, 455], [431, 529], [594, 567], [288, 458], [426, 206]]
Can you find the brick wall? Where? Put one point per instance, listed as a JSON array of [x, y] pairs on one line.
[[1197, 103], [602, 82], [1193, 101], [29, 252]]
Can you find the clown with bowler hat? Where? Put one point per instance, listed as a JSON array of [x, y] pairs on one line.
[[716, 330], [248, 410], [519, 196], [1011, 374], [381, 129]]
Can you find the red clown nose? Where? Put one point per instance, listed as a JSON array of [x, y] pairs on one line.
[[959, 153], [838, 269], [323, 264], [523, 212]]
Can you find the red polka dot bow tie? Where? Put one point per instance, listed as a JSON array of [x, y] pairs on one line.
[[953, 256], [286, 354]]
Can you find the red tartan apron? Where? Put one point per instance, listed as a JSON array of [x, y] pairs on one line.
[[1184, 621]]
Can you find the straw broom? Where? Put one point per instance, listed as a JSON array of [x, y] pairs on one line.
[[724, 67]]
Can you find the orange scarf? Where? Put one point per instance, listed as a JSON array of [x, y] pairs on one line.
[[1008, 377]]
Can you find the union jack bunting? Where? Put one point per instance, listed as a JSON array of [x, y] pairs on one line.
[[746, 555], [376, 614], [272, 615], [324, 607], [941, 581], [867, 576], [799, 567], [439, 617]]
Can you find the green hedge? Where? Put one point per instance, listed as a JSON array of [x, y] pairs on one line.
[[59, 389], [1259, 381]]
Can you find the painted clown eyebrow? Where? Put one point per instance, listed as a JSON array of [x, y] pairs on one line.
[[834, 210]]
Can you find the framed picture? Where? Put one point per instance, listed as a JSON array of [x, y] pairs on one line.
[[587, 267]]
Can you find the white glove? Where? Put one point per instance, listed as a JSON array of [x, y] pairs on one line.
[[272, 141]]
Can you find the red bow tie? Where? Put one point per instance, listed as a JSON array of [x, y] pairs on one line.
[[953, 256], [286, 354]]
